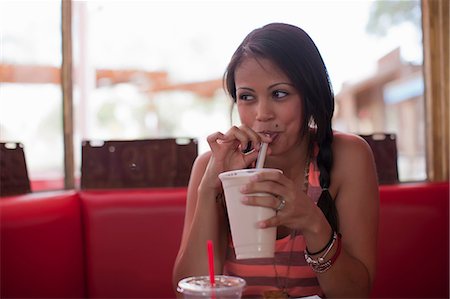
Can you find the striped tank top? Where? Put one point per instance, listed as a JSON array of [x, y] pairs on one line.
[[288, 269]]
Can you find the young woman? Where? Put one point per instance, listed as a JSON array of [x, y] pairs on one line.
[[327, 197]]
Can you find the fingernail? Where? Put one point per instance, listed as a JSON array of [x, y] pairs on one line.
[[244, 199], [262, 225], [243, 188]]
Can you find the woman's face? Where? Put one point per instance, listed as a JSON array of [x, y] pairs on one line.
[[268, 103]]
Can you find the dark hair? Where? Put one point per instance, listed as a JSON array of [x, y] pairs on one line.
[[294, 52]]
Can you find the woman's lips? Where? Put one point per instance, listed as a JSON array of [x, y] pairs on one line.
[[274, 137], [271, 135]]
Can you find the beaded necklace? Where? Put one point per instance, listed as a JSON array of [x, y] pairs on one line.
[[282, 292]]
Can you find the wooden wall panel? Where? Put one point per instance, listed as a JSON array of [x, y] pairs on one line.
[[67, 92], [435, 21]]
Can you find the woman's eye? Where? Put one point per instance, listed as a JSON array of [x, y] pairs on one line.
[[279, 94], [246, 97]]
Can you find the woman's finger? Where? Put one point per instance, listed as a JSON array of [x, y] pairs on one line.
[[254, 138], [241, 135], [213, 140], [274, 176], [271, 222], [267, 201], [266, 186], [218, 139]]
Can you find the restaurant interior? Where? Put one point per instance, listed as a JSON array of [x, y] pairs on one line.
[[93, 198]]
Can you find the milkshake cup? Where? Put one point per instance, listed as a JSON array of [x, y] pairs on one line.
[[225, 287], [249, 240]]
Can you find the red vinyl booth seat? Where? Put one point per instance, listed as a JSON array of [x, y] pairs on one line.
[[413, 244], [132, 239], [41, 246], [122, 243]]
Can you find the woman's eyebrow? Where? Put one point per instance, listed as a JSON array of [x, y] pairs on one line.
[[280, 83], [268, 88], [245, 88]]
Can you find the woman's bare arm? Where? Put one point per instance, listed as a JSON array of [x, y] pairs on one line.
[[355, 188], [204, 220]]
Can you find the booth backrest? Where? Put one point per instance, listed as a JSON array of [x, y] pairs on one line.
[[41, 246], [122, 243], [413, 250], [132, 238]]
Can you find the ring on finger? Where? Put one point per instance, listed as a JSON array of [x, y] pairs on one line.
[[281, 205]]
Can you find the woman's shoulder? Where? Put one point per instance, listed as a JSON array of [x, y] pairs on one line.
[[354, 173], [352, 156], [201, 162], [348, 145], [203, 158], [198, 170]]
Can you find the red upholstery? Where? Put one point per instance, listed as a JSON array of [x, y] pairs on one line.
[[132, 238], [41, 246], [413, 249]]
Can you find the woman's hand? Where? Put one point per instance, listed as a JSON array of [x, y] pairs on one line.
[[231, 151], [298, 211]]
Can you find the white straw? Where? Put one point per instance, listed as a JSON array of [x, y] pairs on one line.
[[261, 155]]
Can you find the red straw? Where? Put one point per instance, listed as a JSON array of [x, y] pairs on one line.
[[211, 262]]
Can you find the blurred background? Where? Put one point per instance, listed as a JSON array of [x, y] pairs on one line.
[[153, 69]]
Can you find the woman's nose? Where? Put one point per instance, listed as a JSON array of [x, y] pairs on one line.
[[264, 111]]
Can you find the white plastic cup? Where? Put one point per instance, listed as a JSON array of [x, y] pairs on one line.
[[225, 287], [249, 240]]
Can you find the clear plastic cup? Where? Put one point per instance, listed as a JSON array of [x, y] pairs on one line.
[[225, 287], [249, 240]]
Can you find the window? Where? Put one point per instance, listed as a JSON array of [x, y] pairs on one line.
[[30, 91], [153, 69]]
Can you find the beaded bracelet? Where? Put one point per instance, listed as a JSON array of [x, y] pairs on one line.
[[332, 237], [321, 259], [321, 266]]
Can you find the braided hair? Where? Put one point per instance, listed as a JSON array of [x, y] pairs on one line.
[[294, 52]]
